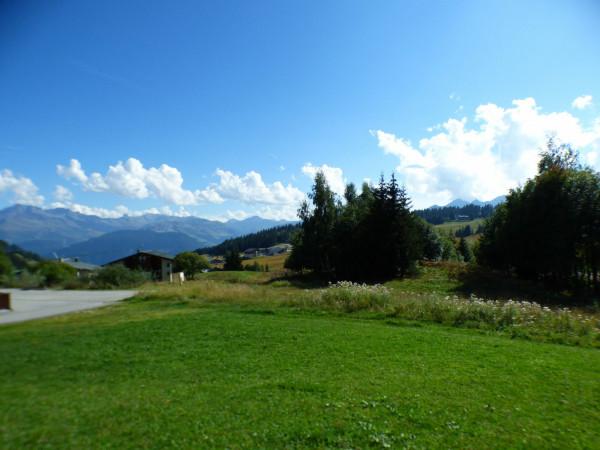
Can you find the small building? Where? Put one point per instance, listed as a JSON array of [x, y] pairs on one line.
[[158, 265], [84, 270], [278, 249], [251, 253]]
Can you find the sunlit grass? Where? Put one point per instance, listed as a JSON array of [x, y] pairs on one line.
[[428, 298], [458, 224], [220, 368], [275, 262]]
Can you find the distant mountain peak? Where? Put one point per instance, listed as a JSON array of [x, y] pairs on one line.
[[48, 231], [459, 203]]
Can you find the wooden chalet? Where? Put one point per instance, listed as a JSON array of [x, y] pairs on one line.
[[159, 265]]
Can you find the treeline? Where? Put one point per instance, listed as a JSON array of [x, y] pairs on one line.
[[549, 229], [468, 230], [263, 238], [371, 236], [18, 258], [443, 214]]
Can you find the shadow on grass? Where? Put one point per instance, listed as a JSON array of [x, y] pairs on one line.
[[495, 285], [299, 281]]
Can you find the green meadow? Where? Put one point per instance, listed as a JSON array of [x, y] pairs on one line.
[[241, 360]]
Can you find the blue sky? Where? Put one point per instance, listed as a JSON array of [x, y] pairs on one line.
[[225, 109]]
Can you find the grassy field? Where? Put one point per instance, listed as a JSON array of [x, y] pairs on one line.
[[275, 262], [458, 224], [233, 360]]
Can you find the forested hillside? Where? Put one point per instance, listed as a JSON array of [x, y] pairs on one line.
[[443, 214], [18, 257], [263, 238]]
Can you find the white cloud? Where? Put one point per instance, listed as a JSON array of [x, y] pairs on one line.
[[74, 171], [333, 175], [118, 211], [24, 191], [582, 102], [287, 212], [62, 194], [252, 189], [131, 179], [483, 161]]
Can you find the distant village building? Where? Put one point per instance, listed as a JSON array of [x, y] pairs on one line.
[[279, 249], [251, 253], [266, 251], [159, 265], [84, 270]]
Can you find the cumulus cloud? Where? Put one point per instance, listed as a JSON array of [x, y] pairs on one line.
[[499, 151], [23, 190], [287, 212], [333, 175], [118, 211], [62, 194], [251, 188], [582, 102], [131, 179]]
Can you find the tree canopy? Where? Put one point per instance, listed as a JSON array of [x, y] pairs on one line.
[[549, 229], [190, 263], [368, 236]]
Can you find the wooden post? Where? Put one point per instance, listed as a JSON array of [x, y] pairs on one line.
[[4, 301]]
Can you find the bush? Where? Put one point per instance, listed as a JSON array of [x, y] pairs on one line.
[[190, 263], [256, 267], [119, 276], [6, 268], [349, 297], [26, 280], [55, 273]]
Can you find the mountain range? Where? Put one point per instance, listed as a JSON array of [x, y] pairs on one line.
[[459, 203], [64, 233]]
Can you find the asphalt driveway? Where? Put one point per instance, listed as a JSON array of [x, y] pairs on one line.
[[35, 304]]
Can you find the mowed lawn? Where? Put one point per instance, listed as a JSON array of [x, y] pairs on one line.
[[181, 374]]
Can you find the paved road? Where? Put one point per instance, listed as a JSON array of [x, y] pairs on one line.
[[34, 304]]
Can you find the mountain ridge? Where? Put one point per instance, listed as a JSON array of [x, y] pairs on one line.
[[48, 231], [118, 244], [459, 202]]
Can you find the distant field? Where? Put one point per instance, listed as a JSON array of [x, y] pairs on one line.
[[226, 362], [275, 262], [455, 225]]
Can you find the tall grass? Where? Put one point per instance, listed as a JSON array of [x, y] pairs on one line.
[[523, 319], [349, 297], [516, 318]]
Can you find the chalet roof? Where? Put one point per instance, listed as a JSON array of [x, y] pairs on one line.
[[159, 254], [76, 264], [144, 252]]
